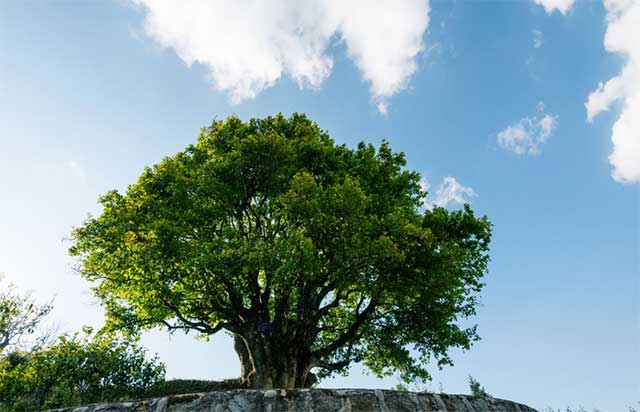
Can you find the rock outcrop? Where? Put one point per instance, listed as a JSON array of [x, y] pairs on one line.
[[311, 400]]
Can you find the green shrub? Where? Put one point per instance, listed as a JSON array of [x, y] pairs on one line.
[[77, 369], [183, 386], [476, 388]]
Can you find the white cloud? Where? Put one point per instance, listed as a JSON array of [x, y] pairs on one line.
[[247, 45], [448, 192], [537, 39], [563, 6], [623, 33], [527, 135], [382, 108], [425, 185]]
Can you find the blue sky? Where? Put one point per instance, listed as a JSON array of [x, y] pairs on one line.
[[90, 94]]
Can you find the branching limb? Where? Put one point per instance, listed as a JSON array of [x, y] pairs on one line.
[[350, 333]]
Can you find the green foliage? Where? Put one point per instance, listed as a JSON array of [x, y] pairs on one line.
[[77, 369], [400, 387], [475, 388], [20, 315], [182, 386], [270, 221]]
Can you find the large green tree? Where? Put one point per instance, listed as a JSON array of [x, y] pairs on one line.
[[310, 254]]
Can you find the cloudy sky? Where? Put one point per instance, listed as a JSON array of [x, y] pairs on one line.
[[529, 110]]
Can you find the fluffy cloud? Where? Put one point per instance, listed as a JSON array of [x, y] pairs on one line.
[[562, 6], [623, 33], [247, 45], [537, 39], [527, 135], [448, 192]]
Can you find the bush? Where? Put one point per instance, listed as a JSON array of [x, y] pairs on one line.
[[77, 369], [183, 386], [476, 388]]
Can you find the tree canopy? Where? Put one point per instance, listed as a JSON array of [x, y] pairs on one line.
[[312, 255]]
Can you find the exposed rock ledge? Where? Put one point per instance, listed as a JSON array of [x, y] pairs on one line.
[[310, 400]]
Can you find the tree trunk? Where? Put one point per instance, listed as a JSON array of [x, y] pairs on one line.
[[267, 364], [246, 363]]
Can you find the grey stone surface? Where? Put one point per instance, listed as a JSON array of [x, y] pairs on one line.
[[311, 400]]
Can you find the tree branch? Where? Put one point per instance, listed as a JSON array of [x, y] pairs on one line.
[[350, 333], [200, 326]]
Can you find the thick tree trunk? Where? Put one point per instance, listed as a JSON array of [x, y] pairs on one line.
[[265, 364]]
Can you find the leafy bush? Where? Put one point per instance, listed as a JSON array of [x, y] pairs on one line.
[[182, 386], [77, 369]]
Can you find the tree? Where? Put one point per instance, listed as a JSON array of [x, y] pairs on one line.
[[20, 316], [310, 254], [77, 369]]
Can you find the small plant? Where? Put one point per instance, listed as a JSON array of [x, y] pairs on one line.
[[401, 387], [476, 388], [417, 387]]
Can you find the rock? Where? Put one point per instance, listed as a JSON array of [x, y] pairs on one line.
[[311, 400]]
